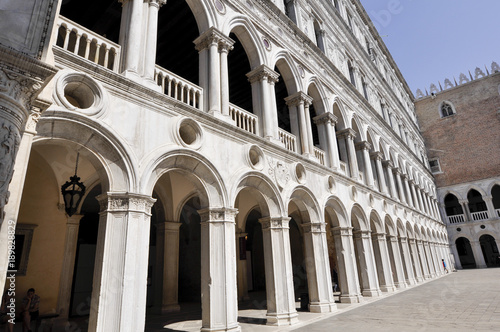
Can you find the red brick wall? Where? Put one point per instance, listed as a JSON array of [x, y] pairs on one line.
[[467, 143]]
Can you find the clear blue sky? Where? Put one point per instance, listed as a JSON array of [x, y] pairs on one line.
[[432, 40]]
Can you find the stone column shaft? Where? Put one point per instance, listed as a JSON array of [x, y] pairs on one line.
[[478, 254], [349, 135], [131, 34], [170, 275], [430, 261], [382, 260], [68, 266], [416, 260], [279, 276], [397, 266], [307, 116], [366, 260], [219, 292], [347, 271], [380, 171], [121, 263], [423, 259], [397, 175], [365, 147], [318, 268], [300, 100], [151, 39], [388, 166], [406, 256], [328, 121]]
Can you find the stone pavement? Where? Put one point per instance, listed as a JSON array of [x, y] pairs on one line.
[[467, 300]]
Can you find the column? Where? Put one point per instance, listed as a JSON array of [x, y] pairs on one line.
[[208, 45], [420, 202], [397, 175], [388, 165], [318, 268], [397, 267], [328, 121], [349, 134], [347, 273], [423, 258], [279, 275], [131, 34], [409, 198], [416, 260], [454, 251], [406, 255], [377, 156], [219, 292], [478, 254], [263, 79], [121, 263], [465, 207], [241, 259], [298, 100], [168, 232], [307, 116], [414, 195], [365, 147], [151, 38], [225, 46], [10, 201], [437, 258], [362, 241], [491, 208], [383, 263], [430, 259], [68, 266]]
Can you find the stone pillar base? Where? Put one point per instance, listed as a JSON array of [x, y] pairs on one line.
[[400, 285], [322, 307], [132, 75], [236, 328], [387, 289], [371, 293], [420, 279], [282, 319], [170, 308], [351, 299]]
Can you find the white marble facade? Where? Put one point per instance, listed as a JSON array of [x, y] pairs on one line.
[[346, 188]]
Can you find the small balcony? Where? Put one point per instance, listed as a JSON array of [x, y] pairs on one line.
[[479, 216], [456, 219], [289, 141], [243, 119]]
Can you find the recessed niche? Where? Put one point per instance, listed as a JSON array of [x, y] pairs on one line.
[[331, 184], [189, 133], [255, 157], [300, 173]]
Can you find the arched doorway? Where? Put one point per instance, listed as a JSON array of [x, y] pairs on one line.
[[490, 250], [465, 253]]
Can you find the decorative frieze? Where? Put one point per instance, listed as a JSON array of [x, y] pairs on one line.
[[125, 202], [270, 223], [262, 73], [218, 214], [314, 227]]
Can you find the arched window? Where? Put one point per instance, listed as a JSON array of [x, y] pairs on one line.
[[319, 34], [336, 4], [446, 109]]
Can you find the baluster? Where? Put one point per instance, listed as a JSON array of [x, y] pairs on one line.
[[116, 60], [97, 48], [66, 38], [77, 43], [106, 57], [87, 49], [169, 86]]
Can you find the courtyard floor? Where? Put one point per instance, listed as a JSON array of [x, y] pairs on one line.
[[467, 300]]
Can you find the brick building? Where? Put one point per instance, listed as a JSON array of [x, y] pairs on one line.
[[460, 125]]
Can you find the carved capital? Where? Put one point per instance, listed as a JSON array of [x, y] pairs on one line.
[[212, 215], [263, 73], [342, 231], [125, 202], [364, 145], [387, 164], [376, 155], [210, 37], [325, 118], [347, 133], [9, 144], [298, 98], [274, 223], [316, 227]]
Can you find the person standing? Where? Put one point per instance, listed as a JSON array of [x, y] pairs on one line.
[[444, 265]]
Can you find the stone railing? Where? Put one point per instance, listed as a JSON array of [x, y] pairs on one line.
[[320, 155], [288, 140], [481, 215], [498, 212], [243, 119], [456, 219], [178, 88], [83, 42]]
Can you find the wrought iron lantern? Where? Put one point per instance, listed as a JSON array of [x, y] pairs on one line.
[[73, 192]]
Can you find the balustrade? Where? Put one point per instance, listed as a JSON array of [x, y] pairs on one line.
[[178, 88], [87, 44], [456, 219], [289, 140], [320, 155], [481, 215], [243, 119]]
